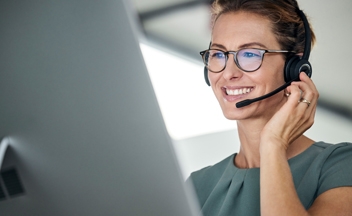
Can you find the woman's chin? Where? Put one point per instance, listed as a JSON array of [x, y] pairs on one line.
[[235, 115]]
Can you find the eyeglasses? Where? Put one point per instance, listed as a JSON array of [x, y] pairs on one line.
[[248, 60]]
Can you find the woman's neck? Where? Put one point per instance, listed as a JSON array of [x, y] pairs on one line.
[[249, 134]]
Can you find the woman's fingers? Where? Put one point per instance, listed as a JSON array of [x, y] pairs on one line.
[[304, 90], [297, 115], [304, 101], [304, 78]]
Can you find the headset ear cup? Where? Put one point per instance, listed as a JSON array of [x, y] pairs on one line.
[[206, 76], [304, 66], [290, 73], [294, 66]]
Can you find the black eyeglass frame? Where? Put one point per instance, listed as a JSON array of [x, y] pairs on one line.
[[262, 51]]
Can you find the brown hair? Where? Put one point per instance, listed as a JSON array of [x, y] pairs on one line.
[[286, 23]]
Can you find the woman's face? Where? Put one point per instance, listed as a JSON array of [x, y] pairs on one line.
[[231, 32]]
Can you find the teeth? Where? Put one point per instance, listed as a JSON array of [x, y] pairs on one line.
[[238, 91]]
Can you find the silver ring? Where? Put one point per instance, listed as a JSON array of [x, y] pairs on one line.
[[303, 100]]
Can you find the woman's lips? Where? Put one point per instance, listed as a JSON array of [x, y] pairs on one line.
[[239, 91], [235, 93]]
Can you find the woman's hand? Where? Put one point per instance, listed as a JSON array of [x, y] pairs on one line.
[[294, 117], [277, 190]]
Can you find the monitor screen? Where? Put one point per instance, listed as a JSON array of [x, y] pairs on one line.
[[80, 127]]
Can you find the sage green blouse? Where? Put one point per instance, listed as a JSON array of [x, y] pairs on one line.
[[223, 189]]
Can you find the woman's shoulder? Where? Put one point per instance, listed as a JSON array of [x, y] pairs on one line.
[[334, 165], [205, 179], [211, 173], [329, 146], [334, 153], [324, 154], [328, 150]]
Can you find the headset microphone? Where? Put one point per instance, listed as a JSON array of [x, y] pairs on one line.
[[249, 101]]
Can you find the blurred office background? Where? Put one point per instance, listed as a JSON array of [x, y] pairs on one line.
[[172, 32]]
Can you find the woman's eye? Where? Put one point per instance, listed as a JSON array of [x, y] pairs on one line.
[[250, 54], [219, 55]]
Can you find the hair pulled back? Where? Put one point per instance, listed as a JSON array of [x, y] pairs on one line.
[[286, 23]]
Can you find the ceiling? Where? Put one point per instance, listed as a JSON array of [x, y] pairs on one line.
[[182, 27]]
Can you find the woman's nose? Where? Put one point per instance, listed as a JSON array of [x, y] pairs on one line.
[[232, 71]]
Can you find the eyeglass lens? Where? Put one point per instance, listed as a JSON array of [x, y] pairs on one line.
[[246, 59]]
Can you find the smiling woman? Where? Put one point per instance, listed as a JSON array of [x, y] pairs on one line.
[[247, 31], [278, 170]]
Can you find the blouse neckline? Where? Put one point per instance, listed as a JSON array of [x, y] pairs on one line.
[[290, 161]]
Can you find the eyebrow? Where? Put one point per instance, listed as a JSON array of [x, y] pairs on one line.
[[246, 45]]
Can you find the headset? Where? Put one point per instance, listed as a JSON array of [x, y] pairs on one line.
[[294, 65]]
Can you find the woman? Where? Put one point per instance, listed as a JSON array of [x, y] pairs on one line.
[[278, 170]]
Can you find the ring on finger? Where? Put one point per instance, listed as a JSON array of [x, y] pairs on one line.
[[303, 100]]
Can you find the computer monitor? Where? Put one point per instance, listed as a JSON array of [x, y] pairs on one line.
[[80, 127]]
